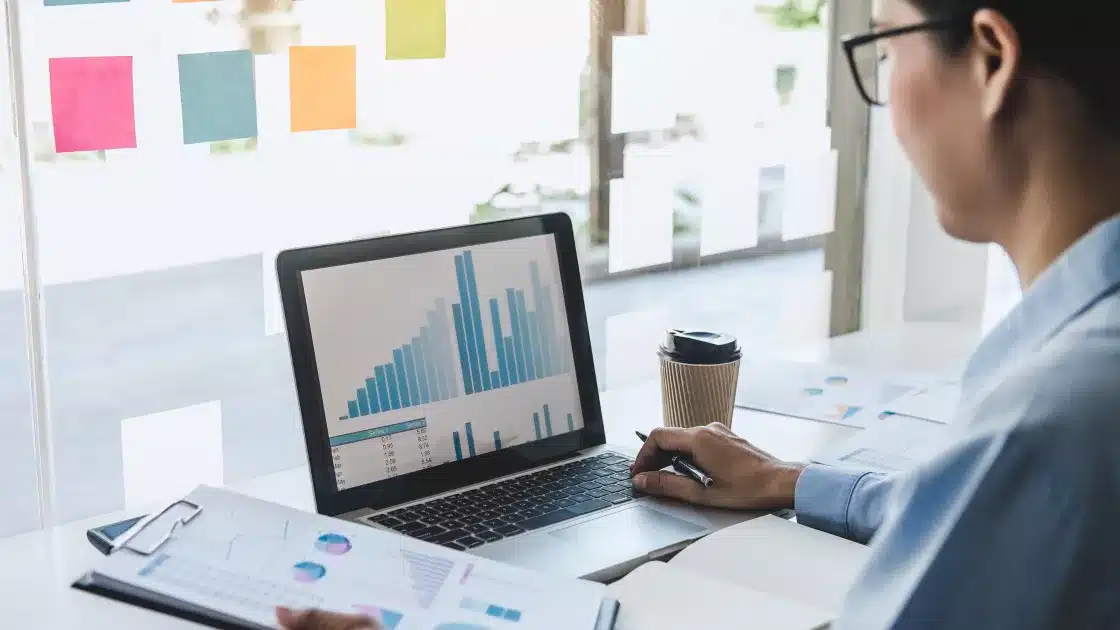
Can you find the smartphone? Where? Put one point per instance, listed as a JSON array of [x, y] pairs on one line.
[[102, 537]]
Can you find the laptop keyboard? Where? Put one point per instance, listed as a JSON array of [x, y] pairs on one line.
[[501, 510]]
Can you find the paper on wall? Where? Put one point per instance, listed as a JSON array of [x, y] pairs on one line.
[[642, 95], [92, 104], [323, 87]]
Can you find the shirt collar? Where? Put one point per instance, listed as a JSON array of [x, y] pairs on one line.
[[1083, 275]]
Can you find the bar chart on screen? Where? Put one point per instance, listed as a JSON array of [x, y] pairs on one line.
[[439, 357], [421, 371]]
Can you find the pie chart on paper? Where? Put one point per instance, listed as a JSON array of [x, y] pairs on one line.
[[308, 572], [334, 544]]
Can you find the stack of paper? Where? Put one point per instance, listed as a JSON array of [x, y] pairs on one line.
[[937, 403], [827, 393], [894, 443]]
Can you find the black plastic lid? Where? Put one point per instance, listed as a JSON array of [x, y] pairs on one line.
[[700, 348]]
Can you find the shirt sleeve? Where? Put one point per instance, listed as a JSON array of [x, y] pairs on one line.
[[842, 502], [1013, 527]]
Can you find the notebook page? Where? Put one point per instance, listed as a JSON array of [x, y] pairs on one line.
[[779, 557], [657, 596]]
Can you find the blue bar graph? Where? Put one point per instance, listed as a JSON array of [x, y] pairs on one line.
[[526, 338], [402, 378], [448, 383], [467, 344], [458, 446], [556, 352], [499, 342], [464, 349], [410, 372], [382, 387], [470, 440], [497, 441], [543, 316], [547, 422], [421, 371], [518, 348], [511, 363], [430, 350], [538, 352], [476, 318], [571, 423], [371, 392], [537, 424], [391, 381], [527, 347]]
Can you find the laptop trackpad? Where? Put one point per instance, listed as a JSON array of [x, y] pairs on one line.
[[640, 529]]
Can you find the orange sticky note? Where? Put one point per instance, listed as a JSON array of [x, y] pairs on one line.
[[415, 29], [324, 87]]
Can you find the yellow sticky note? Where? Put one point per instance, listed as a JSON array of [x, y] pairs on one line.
[[415, 29], [324, 87]]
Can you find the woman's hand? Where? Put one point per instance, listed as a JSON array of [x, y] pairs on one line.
[[744, 476], [319, 620]]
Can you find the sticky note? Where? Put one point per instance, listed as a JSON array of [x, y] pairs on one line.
[[324, 87], [91, 103], [62, 3], [809, 207], [730, 187], [218, 96], [642, 208], [415, 29]]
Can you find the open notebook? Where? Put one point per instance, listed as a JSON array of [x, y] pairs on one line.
[[767, 573]]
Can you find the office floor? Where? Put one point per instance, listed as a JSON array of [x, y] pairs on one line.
[[155, 342]]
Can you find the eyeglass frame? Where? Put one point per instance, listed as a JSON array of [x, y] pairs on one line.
[[851, 42]]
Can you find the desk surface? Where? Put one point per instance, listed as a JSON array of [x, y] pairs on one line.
[[37, 568]]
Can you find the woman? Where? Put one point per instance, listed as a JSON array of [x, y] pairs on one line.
[[1010, 112]]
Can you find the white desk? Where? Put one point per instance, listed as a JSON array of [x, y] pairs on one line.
[[36, 569]]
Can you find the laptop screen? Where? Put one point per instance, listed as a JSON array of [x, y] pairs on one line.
[[438, 357]]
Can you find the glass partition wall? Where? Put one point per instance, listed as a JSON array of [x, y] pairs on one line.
[[176, 146]]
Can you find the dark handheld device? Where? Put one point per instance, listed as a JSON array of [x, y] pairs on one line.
[[102, 537]]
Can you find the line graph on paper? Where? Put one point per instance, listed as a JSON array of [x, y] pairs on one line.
[[245, 550]]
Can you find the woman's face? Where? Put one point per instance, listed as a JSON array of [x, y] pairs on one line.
[[937, 111]]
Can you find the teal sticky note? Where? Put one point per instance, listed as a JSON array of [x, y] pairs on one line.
[[62, 3], [219, 97]]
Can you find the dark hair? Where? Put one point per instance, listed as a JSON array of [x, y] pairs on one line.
[[1074, 42]]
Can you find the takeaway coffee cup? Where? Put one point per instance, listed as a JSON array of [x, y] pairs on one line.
[[699, 371]]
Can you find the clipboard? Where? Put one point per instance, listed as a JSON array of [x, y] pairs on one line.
[[148, 538], [107, 587]]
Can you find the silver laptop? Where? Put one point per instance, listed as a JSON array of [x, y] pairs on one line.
[[448, 393]]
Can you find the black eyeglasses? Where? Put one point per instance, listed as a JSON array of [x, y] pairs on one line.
[[866, 60]]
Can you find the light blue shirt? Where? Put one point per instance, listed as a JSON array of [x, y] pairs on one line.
[[1017, 525]]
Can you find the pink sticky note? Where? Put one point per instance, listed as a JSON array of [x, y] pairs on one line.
[[91, 103]]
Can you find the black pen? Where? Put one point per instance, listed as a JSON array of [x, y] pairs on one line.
[[683, 464]]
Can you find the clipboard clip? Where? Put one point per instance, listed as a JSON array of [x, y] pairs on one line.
[[124, 542]]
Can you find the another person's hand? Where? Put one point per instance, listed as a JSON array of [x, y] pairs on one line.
[[319, 620], [745, 477]]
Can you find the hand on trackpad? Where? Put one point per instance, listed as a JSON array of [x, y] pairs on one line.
[[639, 528]]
